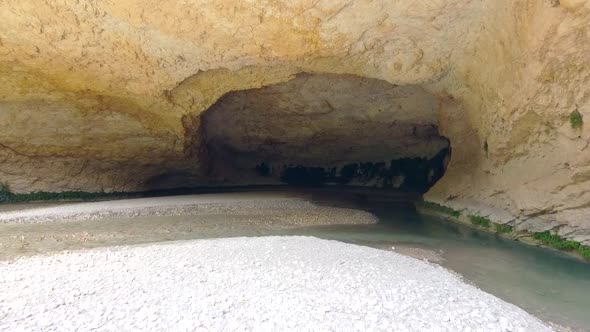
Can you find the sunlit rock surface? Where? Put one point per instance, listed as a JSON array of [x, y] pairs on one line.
[[108, 95]]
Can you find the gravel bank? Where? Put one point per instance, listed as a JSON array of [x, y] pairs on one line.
[[268, 283], [39, 230], [227, 203]]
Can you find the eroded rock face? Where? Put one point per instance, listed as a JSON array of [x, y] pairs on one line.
[[327, 121], [108, 94]]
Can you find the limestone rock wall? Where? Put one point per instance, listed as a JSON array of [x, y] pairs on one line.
[[323, 121], [517, 157], [159, 64], [107, 94]]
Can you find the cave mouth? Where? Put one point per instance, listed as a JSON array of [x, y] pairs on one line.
[[326, 129]]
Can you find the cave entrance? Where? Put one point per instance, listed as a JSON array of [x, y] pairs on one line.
[[326, 129]]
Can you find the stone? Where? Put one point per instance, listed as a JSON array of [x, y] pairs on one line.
[[107, 95]]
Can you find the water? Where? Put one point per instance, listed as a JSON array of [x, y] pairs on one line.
[[551, 285]]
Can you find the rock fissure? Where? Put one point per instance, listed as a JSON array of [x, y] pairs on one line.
[[4, 146]]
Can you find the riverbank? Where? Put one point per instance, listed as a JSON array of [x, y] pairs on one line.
[[546, 239], [265, 283], [204, 204], [8, 198], [46, 229], [349, 218]]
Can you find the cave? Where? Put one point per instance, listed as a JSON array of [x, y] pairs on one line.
[[335, 90], [436, 130], [326, 129]]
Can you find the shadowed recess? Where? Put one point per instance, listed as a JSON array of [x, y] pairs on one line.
[[326, 129]]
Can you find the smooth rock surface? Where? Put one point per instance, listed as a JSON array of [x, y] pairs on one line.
[[294, 283]]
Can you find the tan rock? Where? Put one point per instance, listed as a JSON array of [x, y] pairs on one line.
[[574, 4], [107, 94]]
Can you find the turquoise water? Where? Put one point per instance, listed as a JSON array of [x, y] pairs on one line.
[[551, 285]]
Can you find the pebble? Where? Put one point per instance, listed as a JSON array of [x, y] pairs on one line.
[[150, 288]]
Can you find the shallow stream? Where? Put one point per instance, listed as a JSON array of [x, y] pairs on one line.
[[551, 285]]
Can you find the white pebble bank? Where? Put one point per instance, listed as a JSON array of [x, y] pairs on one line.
[[268, 283], [260, 203]]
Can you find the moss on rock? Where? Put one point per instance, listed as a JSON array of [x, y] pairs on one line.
[[480, 221], [504, 229], [555, 241], [576, 119]]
